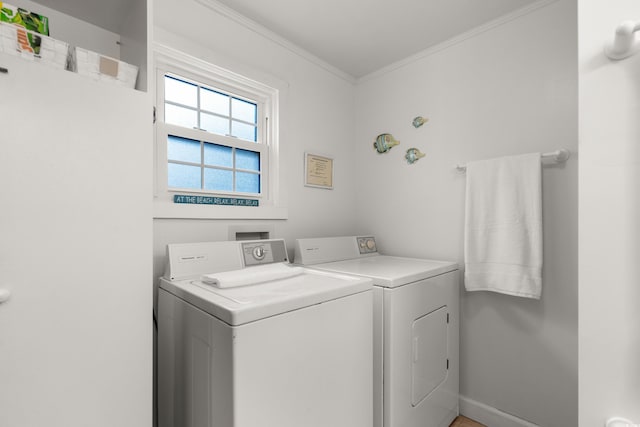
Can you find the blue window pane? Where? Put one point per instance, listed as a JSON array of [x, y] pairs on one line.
[[180, 116], [182, 176], [214, 102], [243, 110], [183, 149], [247, 182], [244, 131], [181, 92], [214, 124], [249, 160], [218, 155], [218, 179]]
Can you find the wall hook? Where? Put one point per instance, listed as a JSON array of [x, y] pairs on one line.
[[619, 422], [623, 43]]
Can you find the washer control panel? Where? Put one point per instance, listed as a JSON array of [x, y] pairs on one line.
[[367, 245], [257, 252]]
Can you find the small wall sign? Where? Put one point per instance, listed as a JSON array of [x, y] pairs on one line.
[[318, 171], [208, 200]]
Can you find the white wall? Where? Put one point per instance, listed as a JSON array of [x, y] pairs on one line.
[[317, 115], [511, 89], [609, 219]]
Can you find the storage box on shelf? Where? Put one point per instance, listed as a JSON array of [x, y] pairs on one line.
[[58, 54], [24, 18], [18, 41], [26, 34], [103, 68]]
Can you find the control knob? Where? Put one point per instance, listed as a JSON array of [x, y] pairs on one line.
[[259, 252]]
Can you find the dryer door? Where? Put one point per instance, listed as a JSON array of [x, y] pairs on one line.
[[430, 362]]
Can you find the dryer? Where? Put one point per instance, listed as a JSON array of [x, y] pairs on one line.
[[416, 330], [247, 340]]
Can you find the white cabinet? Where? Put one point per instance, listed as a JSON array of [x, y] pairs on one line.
[[75, 251]]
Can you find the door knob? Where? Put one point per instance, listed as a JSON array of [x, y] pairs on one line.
[[5, 294]]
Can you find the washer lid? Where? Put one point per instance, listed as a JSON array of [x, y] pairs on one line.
[[389, 271], [244, 304]]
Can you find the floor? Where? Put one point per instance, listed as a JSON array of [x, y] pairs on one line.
[[465, 422]]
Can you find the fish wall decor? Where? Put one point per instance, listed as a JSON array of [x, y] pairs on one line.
[[385, 142], [419, 121], [413, 155]]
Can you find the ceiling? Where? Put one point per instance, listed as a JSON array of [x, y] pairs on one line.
[[362, 36], [355, 36]]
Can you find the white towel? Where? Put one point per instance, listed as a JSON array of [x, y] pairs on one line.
[[503, 226], [251, 275]]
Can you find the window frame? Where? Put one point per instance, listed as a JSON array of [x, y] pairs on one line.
[[261, 145], [172, 62]]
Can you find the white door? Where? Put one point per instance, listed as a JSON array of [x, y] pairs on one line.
[[75, 250]]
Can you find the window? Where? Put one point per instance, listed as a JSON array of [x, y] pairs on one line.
[[229, 161], [213, 138], [216, 135]]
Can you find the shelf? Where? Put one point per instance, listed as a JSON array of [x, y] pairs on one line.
[[100, 27]]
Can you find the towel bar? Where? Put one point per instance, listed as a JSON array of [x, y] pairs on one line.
[[558, 156]]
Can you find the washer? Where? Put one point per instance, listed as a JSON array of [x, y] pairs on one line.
[[287, 350], [416, 330]]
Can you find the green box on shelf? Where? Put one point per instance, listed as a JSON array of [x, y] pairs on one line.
[[29, 20]]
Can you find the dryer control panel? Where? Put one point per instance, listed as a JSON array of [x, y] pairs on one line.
[[264, 252], [189, 260], [367, 245], [330, 249]]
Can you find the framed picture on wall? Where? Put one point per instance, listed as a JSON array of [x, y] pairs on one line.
[[318, 171]]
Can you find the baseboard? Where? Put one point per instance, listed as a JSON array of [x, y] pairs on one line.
[[489, 415]]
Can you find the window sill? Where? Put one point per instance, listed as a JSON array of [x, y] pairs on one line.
[[170, 210]]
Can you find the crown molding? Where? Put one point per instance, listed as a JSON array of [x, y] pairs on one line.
[[457, 39], [254, 26]]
